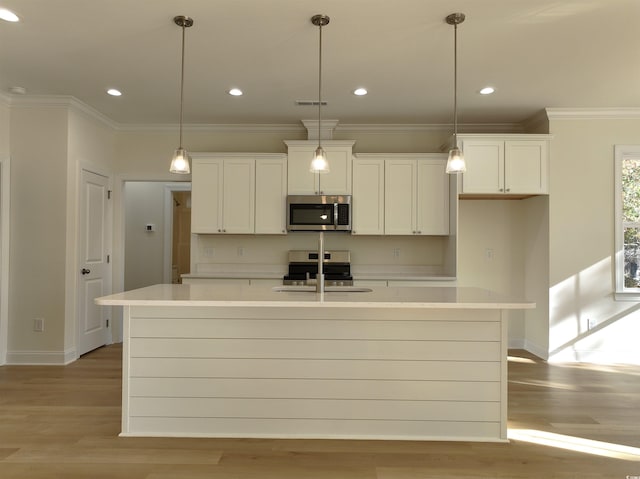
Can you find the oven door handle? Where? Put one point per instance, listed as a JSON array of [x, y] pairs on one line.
[[335, 216]]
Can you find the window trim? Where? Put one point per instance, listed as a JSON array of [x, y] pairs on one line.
[[621, 293]]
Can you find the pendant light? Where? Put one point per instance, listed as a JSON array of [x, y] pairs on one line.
[[455, 163], [319, 164], [180, 161]]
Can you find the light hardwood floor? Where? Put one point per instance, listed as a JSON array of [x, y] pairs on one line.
[[63, 422]]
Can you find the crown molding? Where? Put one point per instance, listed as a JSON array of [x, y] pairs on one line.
[[628, 113], [215, 128], [60, 101], [435, 127]]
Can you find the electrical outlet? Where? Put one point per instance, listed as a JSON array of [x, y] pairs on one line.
[[38, 325], [591, 323], [208, 252], [488, 254], [240, 251], [396, 252]]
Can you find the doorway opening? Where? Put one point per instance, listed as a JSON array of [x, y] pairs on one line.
[[180, 235], [157, 232]]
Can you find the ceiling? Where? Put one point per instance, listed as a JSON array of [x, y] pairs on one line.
[[536, 53]]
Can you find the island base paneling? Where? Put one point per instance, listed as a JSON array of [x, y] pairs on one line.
[[324, 372]]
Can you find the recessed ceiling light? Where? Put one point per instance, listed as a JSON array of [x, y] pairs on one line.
[[8, 15], [488, 90], [235, 92], [114, 92], [360, 91]]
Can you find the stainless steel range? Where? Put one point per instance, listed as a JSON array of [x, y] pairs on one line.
[[303, 266]]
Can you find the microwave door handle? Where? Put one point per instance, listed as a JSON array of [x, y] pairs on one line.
[[335, 216]]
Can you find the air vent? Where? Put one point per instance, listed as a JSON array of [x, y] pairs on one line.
[[309, 103]]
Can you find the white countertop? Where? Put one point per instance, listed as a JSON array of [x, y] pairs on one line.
[[260, 296]]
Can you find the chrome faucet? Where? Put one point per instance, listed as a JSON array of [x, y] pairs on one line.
[[320, 275]]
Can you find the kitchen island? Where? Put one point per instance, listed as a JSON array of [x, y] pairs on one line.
[[247, 361]]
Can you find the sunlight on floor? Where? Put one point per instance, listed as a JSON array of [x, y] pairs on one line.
[[546, 384], [516, 359], [577, 444]]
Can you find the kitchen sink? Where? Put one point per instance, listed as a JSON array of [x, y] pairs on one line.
[[327, 289]]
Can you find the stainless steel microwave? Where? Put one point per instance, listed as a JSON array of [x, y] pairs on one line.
[[319, 213]]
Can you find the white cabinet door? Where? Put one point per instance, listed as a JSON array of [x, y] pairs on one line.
[[368, 197], [399, 197], [500, 165], [238, 202], [302, 182], [416, 197], [271, 196], [222, 195], [432, 204], [485, 166], [206, 197], [338, 180], [525, 167]]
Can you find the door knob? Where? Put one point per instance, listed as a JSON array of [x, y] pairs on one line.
[[85, 271]]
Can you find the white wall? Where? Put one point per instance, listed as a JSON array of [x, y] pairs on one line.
[[144, 251], [581, 231], [4, 127], [222, 251], [49, 142], [39, 149], [4, 225]]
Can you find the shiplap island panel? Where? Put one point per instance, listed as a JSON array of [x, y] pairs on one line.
[[242, 361]]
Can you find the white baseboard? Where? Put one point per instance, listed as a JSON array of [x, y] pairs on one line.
[[41, 358], [536, 350]]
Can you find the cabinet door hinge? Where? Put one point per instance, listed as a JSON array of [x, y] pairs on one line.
[[109, 194], [107, 322], [108, 258]]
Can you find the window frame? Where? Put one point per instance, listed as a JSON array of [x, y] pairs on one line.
[[622, 293]]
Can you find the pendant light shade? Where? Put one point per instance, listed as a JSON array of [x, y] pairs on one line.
[[455, 163], [180, 160], [319, 163]]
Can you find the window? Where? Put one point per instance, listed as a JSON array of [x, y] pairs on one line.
[[627, 234]]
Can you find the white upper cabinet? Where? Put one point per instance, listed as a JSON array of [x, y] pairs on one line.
[[301, 181], [368, 196], [505, 164], [400, 194], [223, 194], [432, 210], [271, 195]]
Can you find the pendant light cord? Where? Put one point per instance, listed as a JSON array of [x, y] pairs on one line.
[[319, 86], [182, 83], [455, 82]]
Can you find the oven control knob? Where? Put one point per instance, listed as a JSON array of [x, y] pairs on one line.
[[341, 283]]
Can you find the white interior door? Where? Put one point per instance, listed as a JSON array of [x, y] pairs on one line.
[[95, 271]]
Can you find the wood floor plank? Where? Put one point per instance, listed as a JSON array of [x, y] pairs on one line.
[[63, 422]]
